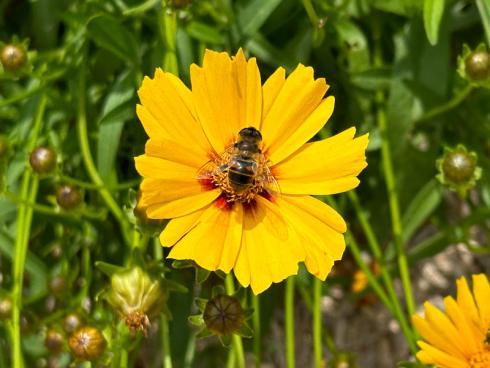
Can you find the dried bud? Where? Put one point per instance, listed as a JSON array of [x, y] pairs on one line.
[[458, 170], [223, 315], [477, 65], [68, 197], [43, 160], [71, 322], [13, 57], [136, 297], [53, 341], [87, 343], [57, 285], [4, 145], [5, 307]]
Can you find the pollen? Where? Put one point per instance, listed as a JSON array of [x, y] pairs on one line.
[[220, 180]]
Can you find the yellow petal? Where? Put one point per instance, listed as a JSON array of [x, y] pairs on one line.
[[180, 152], [288, 144], [167, 111], [226, 93], [440, 323], [440, 358], [434, 338], [271, 89], [165, 180], [481, 291], [182, 206], [264, 257], [317, 226], [214, 241], [178, 227], [299, 96], [326, 167], [466, 301], [462, 324]]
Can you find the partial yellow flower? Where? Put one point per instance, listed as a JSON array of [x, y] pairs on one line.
[[457, 338], [194, 147]]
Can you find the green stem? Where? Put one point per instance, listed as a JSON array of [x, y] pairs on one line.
[[168, 31], [237, 339], [89, 162], [451, 104], [167, 354], [28, 193], [90, 186], [317, 322], [256, 328], [387, 163], [190, 350], [385, 274], [310, 11], [289, 322]]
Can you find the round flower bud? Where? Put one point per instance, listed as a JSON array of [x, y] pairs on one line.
[[4, 145], [136, 297], [53, 341], [5, 307], [68, 197], [71, 322], [458, 166], [477, 65], [43, 160], [13, 57], [223, 315], [87, 343], [146, 223]]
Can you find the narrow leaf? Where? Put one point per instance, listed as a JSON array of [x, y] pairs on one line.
[[254, 15], [484, 9], [433, 11]]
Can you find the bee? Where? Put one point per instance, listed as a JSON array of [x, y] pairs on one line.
[[244, 164]]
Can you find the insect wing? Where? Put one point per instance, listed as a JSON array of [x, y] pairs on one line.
[[216, 165], [267, 179]]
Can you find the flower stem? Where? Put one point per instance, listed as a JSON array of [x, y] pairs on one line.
[[317, 322], [387, 163], [256, 328], [451, 104], [89, 162], [28, 193], [289, 322], [167, 355], [385, 275], [237, 339], [168, 29]]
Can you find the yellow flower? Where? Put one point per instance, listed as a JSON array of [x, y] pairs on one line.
[[457, 338], [247, 224]]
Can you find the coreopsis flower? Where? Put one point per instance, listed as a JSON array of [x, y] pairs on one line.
[[458, 337], [228, 162]]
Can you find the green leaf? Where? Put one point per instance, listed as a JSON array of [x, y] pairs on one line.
[[421, 207], [109, 34], [373, 79], [204, 33], [254, 14], [118, 108], [433, 11], [108, 269], [484, 10]]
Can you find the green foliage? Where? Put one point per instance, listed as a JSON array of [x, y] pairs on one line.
[[398, 59]]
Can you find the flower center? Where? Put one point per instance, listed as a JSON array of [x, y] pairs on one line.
[[231, 192], [480, 359]]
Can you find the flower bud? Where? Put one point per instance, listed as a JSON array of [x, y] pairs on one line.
[[223, 315], [57, 285], [87, 343], [5, 307], [136, 297], [458, 170], [4, 145], [53, 341], [13, 57], [43, 160], [68, 197], [146, 223], [71, 322], [477, 65]]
